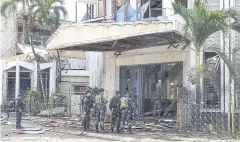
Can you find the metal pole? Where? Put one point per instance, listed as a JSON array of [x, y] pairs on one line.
[[76, 8], [104, 9], [150, 14], [69, 102]]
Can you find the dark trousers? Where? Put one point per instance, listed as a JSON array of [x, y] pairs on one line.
[[100, 114], [86, 119], [116, 119], [18, 119]]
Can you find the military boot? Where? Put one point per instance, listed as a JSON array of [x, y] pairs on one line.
[[112, 128], [130, 130], [96, 128], [85, 126], [118, 130]]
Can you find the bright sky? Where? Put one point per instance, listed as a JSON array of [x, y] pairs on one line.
[[71, 8]]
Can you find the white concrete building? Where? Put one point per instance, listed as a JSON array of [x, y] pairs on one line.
[[18, 71], [136, 47], [137, 53]]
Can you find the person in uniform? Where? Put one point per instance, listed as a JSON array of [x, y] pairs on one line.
[[126, 109], [100, 107], [114, 107], [87, 102], [19, 107]]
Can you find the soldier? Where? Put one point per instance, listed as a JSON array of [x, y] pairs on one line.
[[114, 106], [87, 102], [126, 112], [100, 105], [19, 109]]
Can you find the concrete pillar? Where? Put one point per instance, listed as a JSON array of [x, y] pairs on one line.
[[108, 7], [52, 79], [110, 76], [1, 82], [17, 83], [35, 77], [188, 64], [190, 4]]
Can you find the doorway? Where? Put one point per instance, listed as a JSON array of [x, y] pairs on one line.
[[150, 82]]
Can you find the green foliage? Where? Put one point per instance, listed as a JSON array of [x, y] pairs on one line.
[[235, 16], [200, 22], [7, 7], [44, 12], [32, 95], [33, 99], [48, 12], [52, 99], [95, 90]]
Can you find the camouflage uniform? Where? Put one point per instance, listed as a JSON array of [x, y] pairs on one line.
[[126, 112], [19, 109], [114, 106], [100, 106], [88, 102]]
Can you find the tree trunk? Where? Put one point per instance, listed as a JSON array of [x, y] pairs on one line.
[[23, 32], [37, 61], [60, 70], [198, 91]]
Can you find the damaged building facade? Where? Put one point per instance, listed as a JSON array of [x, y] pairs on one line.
[[143, 51]]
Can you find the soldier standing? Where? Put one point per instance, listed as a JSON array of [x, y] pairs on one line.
[[114, 106], [87, 102], [100, 105], [19, 109], [126, 112]]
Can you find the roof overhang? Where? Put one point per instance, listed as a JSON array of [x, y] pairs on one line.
[[113, 36]]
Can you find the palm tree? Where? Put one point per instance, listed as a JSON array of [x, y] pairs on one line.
[[200, 23], [49, 13], [40, 11]]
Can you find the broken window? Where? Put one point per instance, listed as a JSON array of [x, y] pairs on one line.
[[11, 81], [25, 82]]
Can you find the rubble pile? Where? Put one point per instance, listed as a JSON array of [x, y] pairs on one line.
[[57, 111], [164, 125]]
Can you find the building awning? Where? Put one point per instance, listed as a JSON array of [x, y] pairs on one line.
[[113, 36]]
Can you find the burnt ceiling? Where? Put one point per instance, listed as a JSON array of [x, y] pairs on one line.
[[157, 39]]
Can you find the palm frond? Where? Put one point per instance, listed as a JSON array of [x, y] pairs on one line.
[[200, 22], [60, 9], [7, 7], [233, 68], [235, 15]]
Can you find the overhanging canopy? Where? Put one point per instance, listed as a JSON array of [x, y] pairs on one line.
[[113, 36]]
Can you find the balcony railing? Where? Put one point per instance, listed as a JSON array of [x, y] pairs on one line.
[[38, 40]]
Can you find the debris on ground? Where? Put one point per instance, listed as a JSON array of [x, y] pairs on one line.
[[31, 130], [82, 134], [57, 111], [3, 117], [7, 123], [129, 139]]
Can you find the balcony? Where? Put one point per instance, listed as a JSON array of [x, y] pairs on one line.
[[38, 40]]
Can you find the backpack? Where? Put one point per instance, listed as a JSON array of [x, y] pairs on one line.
[[98, 99], [123, 102]]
